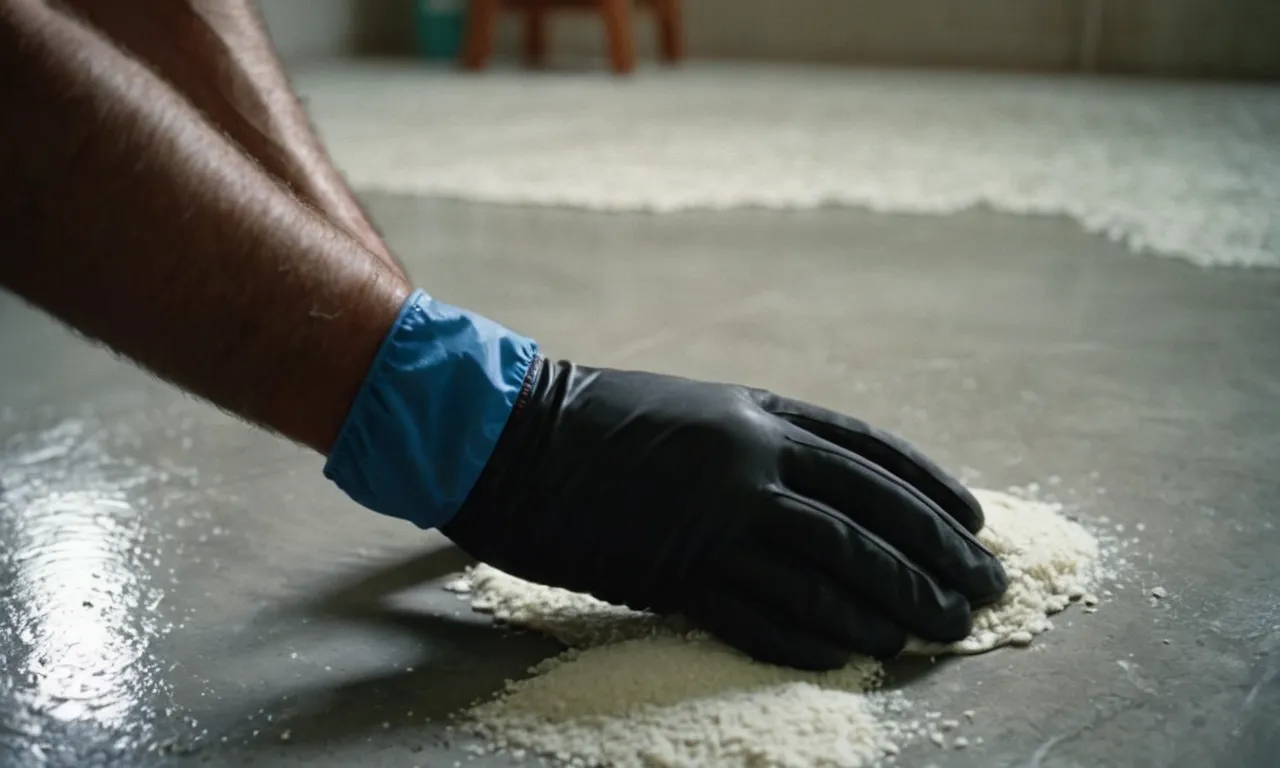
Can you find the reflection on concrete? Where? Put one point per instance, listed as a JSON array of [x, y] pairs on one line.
[[75, 600], [79, 609]]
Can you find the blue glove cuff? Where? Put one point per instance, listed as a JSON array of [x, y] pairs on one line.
[[429, 412]]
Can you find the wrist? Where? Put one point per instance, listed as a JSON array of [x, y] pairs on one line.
[[430, 411]]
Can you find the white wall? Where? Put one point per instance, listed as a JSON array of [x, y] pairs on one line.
[[304, 29]]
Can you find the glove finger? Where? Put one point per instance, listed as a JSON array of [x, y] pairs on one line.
[[761, 632], [863, 562], [793, 589], [885, 449], [898, 513]]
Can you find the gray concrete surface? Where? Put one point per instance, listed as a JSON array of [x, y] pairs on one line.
[[180, 589]]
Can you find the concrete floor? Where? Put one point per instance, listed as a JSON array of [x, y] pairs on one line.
[[178, 588]]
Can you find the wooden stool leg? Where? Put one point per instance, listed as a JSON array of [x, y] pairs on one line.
[[535, 33], [670, 34], [482, 18], [617, 24]]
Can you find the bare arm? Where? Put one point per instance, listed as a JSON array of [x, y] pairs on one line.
[[131, 218], [125, 213], [217, 54]]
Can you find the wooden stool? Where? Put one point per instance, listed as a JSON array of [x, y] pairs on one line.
[[482, 18]]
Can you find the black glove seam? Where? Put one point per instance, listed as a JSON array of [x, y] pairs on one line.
[[868, 535], [848, 433], [915, 492]]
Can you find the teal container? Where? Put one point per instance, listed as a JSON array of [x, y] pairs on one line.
[[440, 24]]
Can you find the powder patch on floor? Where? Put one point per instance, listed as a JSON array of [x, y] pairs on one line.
[[1050, 560], [1182, 169], [640, 690], [675, 701]]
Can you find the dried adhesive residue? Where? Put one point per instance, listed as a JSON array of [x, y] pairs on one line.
[[639, 690]]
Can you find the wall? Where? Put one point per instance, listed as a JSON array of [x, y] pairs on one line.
[[1217, 37], [307, 29], [1214, 38], [1004, 33]]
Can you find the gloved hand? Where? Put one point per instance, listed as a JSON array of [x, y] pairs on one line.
[[797, 534], [794, 533]]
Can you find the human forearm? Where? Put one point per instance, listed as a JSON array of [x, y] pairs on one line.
[[136, 222], [795, 533], [217, 54]]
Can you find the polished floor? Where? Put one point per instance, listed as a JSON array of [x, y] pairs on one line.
[[176, 588]]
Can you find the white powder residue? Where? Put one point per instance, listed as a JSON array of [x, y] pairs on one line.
[[646, 691], [672, 701], [1190, 170], [1050, 560], [573, 618]]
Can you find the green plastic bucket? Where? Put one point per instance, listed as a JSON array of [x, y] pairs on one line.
[[440, 24]]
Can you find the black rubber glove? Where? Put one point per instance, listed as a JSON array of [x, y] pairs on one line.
[[796, 534]]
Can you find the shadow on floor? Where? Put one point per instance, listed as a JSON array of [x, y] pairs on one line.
[[456, 662]]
